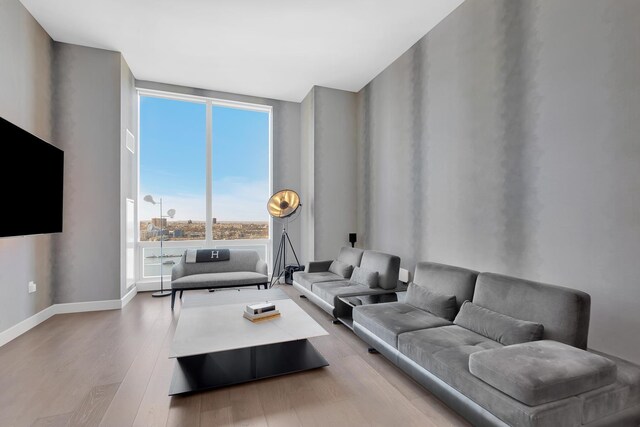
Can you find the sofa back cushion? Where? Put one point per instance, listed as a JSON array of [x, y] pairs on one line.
[[446, 280], [361, 276], [351, 256], [564, 312], [239, 260], [505, 329], [441, 305], [341, 268], [387, 266]]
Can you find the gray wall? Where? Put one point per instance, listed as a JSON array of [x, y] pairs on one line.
[[286, 145], [507, 140], [25, 100], [87, 127], [334, 169]]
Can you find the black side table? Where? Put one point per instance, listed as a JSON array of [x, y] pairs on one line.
[[345, 305]]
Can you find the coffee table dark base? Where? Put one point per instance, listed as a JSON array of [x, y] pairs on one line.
[[214, 370]]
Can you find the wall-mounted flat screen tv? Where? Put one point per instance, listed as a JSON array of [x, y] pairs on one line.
[[32, 176]]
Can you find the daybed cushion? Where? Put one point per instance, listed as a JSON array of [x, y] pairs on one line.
[[441, 305], [446, 280], [364, 277], [543, 371], [499, 327], [622, 394], [340, 268], [564, 312], [213, 280], [306, 280], [388, 320]]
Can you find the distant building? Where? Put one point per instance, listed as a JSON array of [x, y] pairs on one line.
[[159, 222]]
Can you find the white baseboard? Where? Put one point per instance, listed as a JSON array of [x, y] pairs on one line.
[[129, 296], [27, 324], [72, 307], [151, 286]]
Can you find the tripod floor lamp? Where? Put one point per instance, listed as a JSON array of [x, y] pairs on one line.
[[170, 214], [283, 205]]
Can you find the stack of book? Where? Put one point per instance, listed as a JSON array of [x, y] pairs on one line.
[[261, 311]]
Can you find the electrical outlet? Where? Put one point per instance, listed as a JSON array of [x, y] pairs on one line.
[[32, 287]]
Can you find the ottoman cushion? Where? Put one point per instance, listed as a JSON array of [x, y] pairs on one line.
[[542, 371]]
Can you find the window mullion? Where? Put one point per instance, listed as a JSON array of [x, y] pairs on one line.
[[209, 174]]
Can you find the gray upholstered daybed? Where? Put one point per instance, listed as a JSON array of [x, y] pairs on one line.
[[237, 268], [514, 354]]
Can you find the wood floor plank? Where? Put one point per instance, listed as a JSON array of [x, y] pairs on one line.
[[246, 408], [184, 411], [92, 408], [125, 404], [154, 407], [215, 408], [61, 420]]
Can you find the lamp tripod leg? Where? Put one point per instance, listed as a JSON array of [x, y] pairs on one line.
[[276, 264]]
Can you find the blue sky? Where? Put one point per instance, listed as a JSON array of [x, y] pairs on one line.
[[173, 160]]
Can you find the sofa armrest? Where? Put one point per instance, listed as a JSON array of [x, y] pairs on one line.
[[318, 266], [178, 270], [261, 267]]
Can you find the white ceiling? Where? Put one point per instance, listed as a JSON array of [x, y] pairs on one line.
[[268, 48]]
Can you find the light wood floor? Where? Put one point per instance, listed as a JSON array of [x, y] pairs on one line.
[[111, 368]]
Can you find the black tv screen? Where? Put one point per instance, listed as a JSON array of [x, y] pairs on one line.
[[32, 178]]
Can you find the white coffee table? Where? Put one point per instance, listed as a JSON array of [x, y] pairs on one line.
[[215, 346]]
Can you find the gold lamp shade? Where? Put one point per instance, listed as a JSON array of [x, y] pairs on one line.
[[283, 204]]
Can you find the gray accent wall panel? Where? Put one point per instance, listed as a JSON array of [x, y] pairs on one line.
[[334, 170], [87, 127], [25, 99], [508, 140]]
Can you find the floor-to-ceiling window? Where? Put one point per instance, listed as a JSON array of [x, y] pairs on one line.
[[208, 161]]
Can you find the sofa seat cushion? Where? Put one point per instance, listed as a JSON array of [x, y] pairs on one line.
[[543, 371], [452, 366], [306, 280], [213, 280], [616, 397], [421, 345], [388, 320]]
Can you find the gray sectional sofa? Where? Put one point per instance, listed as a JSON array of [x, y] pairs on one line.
[[324, 282], [511, 352]]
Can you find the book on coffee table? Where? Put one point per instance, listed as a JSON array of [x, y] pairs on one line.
[[261, 316]]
